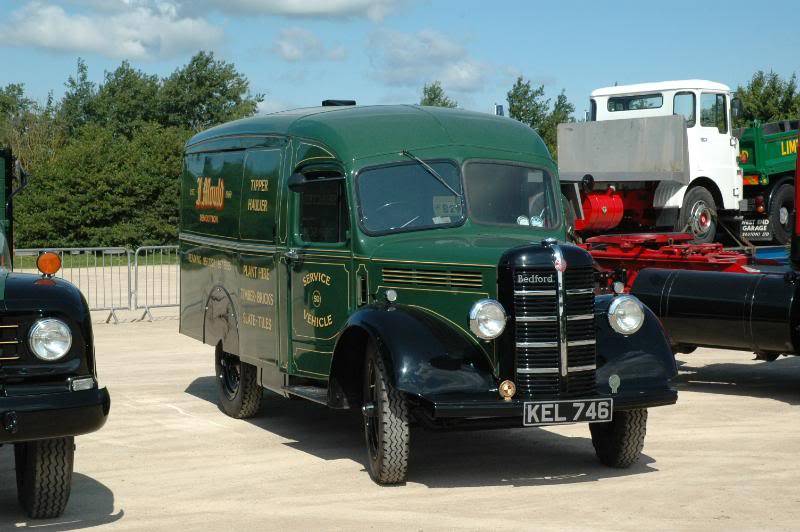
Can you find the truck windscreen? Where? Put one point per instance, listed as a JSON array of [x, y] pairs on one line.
[[507, 194]]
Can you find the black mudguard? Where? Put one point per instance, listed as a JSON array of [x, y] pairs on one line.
[[643, 361], [424, 355]]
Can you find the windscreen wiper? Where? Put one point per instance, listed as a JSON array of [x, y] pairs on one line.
[[431, 171]]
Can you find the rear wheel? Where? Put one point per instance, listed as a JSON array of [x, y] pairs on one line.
[[44, 475], [237, 385], [780, 214], [698, 215], [386, 426], [619, 443]]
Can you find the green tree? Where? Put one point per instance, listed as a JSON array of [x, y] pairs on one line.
[[127, 98], [529, 105], [77, 105], [206, 92], [768, 97], [433, 94]]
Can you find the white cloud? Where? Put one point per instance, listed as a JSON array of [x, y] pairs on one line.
[[372, 9], [298, 44], [122, 29], [412, 59]]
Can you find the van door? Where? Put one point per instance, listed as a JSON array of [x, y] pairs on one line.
[[717, 157], [319, 262], [258, 280]]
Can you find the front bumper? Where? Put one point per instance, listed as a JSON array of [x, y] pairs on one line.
[[495, 407], [52, 415]]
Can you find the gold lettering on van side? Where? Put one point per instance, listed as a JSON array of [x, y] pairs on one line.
[[209, 262], [209, 195], [209, 218], [317, 322], [257, 205], [255, 272], [257, 296], [259, 185], [316, 277], [258, 321], [788, 147]]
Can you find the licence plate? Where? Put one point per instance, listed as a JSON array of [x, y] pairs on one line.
[[562, 412]]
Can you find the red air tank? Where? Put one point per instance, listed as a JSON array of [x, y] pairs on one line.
[[601, 211]]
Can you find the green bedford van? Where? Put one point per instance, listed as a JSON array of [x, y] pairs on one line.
[[408, 262]]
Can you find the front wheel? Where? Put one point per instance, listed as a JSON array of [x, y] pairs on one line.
[[237, 385], [44, 475], [386, 426], [619, 443], [698, 215]]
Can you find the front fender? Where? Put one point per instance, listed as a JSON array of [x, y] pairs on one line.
[[424, 354], [643, 361]]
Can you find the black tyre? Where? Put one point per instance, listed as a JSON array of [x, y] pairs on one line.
[[44, 475], [386, 425], [698, 215], [237, 385], [619, 443], [780, 214]]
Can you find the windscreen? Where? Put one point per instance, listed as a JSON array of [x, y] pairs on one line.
[[407, 197], [507, 194]]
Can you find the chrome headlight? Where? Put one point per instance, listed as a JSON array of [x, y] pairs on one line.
[[50, 339], [626, 315], [487, 319]]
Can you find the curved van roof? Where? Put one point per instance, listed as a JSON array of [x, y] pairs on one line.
[[639, 88], [356, 132]]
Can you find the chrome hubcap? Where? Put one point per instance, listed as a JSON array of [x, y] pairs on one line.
[[700, 218]]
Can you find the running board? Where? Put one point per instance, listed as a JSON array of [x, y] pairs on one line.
[[316, 394]]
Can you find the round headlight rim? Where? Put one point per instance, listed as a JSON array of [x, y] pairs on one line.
[[613, 307], [37, 325], [473, 318]]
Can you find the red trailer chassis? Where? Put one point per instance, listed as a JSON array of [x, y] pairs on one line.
[[621, 257]]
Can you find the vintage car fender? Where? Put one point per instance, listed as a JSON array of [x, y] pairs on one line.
[[423, 354], [643, 362], [220, 322]]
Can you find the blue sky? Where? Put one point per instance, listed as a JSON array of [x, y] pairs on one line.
[[298, 52]]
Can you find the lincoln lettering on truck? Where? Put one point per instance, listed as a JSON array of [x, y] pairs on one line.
[[408, 263]]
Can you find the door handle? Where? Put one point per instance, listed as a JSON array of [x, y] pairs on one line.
[[291, 255], [703, 139]]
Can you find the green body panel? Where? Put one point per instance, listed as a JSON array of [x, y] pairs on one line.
[[292, 317], [768, 154]]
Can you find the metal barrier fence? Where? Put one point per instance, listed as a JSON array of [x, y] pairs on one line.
[[116, 278], [157, 278]]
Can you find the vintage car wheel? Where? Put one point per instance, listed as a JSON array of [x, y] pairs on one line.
[[44, 475], [619, 443], [237, 385], [386, 426]]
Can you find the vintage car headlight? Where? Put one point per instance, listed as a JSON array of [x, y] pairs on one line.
[[487, 319], [50, 339], [626, 315]]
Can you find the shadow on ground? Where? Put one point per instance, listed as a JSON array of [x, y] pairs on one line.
[[778, 380], [502, 457], [90, 503]]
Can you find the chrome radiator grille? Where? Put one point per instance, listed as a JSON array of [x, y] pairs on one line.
[[555, 344]]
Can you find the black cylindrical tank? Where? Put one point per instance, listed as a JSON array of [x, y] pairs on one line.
[[752, 312]]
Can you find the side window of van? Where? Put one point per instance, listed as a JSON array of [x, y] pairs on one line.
[[713, 111], [258, 203], [322, 212]]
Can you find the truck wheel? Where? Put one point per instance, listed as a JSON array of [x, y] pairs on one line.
[[386, 425], [780, 214], [44, 475], [619, 442], [699, 215], [237, 385]]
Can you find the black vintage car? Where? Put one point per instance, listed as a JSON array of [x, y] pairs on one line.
[[48, 381]]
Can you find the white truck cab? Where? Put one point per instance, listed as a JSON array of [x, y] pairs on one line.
[[715, 183]]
